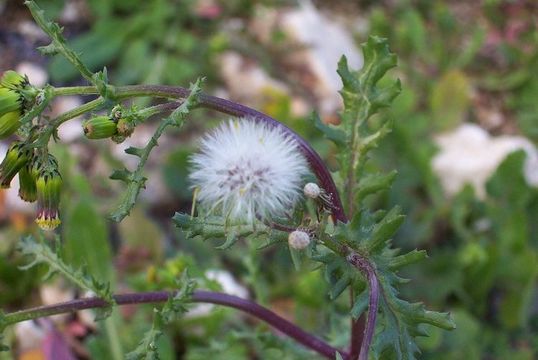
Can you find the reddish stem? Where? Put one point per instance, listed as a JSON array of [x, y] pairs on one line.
[[229, 107], [366, 268], [325, 179], [286, 327]]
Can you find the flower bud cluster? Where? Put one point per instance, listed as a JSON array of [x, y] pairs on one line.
[[39, 179], [114, 126], [14, 100]]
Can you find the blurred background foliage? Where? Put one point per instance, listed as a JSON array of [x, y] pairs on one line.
[[460, 62]]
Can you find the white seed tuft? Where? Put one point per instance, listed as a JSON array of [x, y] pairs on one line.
[[312, 190], [298, 240], [246, 170]]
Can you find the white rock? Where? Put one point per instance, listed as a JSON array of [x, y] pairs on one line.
[[327, 40], [53, 293], [37, 75], [469, 155], [245, 80], [228, 282]]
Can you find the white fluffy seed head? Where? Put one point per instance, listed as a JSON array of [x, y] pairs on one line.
[[312, 190], [298, 240], [246, 170]]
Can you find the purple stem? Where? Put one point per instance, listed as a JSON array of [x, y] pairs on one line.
[[199, 296], [229, 107], [322, 173], [366, 268]]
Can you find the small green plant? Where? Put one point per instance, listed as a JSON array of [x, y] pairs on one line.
[[254, 180]]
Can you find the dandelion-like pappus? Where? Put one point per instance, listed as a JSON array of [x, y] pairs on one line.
[[247, 170]]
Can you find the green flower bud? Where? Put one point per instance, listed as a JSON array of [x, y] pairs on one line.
[[27, 181], [9, 123], [10, 100], [16, 157], [13, 80], [48, 188], [100, 127]]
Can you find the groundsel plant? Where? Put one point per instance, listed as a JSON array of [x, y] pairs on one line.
[[253, 180]]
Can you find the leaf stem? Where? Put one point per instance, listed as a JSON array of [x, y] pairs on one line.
[[199, 296]]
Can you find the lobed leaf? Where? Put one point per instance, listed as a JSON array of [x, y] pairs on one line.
[[40, 253]]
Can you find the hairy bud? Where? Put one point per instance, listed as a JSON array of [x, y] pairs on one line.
[[298, 240], [312, 190]]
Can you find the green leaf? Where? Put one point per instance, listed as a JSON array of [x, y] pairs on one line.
[[362, 97], [217, 227], [48, 50], [359, 305], [372, 183], [86, 239], [122, 175], [147, 348], [136, 181], [508, 182], [368, 234], [401, 325], [385, 229], [176, 305], [134, 151], [332, 133], [406, 259], [40, 253]]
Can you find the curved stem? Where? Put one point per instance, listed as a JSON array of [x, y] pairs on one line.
[[368, 270], [229, 107], [318, 167], [310, 341]]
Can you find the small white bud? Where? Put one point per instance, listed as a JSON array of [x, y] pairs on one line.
[[298, 240], [312, 190]]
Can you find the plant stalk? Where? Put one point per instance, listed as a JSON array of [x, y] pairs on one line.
[[317, 165], [199, 296]]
